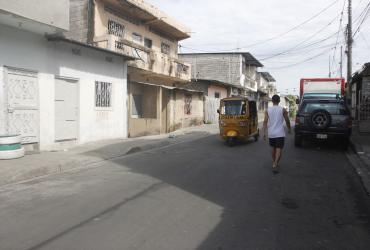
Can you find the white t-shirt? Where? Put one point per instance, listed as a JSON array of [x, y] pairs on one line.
[[276, 122]]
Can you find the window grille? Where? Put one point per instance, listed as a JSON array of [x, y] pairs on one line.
[[115, 28], [103, 94], [217, 95], [188, 106], [165, 48], [120, 46]]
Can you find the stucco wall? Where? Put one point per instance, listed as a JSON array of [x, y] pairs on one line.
[[212, 89], [50, 12], [182, 120], [29, 51], [150, 123]]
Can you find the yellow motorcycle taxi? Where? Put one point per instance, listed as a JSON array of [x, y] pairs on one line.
[[238, 119]]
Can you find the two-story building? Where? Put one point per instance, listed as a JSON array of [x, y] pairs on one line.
[[57, 92], [137, 29], [266, 85], [236, 68]]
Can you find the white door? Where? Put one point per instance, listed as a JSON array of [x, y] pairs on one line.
[[66, 109], [23, 108]]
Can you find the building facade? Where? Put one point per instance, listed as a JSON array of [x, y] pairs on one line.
[[266, 85], [57, 92], [140, 30], [236, 68], [360, 101]]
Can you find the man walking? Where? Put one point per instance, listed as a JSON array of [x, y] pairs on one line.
[[274, 126]]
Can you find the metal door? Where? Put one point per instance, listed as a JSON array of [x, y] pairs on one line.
[[22, 100], [66, 109]]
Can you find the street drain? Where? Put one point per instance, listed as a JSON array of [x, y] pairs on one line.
[[289, 203]]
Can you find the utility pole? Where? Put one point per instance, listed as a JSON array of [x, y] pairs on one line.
[[329, 66], [349, 48]]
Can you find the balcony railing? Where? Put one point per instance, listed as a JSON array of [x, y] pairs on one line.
[[147, 59]]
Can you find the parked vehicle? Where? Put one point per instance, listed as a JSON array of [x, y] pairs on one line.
[[238, 119], [322, 88], [323, 119]]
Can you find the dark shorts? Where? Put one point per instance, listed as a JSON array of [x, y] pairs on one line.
[[277, 142]]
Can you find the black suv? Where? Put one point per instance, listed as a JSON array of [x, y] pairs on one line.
[[323, 120]]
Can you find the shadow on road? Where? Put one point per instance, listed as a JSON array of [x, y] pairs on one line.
[[315, 202]]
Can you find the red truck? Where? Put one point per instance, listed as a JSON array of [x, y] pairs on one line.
[[322, 87]]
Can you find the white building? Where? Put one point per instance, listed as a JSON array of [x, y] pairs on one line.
[[57, 92]]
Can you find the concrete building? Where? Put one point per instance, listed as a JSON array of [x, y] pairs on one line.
[[360, 100], [266, 85], [140, 30], [57, 92], [213, 91], [236, 68]]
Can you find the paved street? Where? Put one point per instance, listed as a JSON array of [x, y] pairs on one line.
[[193, 195]]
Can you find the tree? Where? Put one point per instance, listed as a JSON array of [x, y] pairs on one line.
[[293, 107]]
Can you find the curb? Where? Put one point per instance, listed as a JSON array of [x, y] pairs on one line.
[[91, 162], [359, 165]]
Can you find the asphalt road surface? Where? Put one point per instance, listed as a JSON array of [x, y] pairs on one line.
[[195, 195]]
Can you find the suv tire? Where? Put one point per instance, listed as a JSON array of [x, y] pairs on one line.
[[320, 119]]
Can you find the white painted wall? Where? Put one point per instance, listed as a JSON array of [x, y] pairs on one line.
[[55, 59]]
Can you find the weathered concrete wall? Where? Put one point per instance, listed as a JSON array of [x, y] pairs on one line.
[[49, 12], [221, 67], [101, 29], [150, 122], [182, 120], [212, 89], [79, 21]]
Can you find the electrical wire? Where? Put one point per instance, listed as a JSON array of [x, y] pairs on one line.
[[340, 28], [304, 61], [290, 30], [303, 42], [364, 17]]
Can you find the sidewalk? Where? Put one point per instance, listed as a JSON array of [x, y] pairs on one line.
[[360, 144], [45, 163]]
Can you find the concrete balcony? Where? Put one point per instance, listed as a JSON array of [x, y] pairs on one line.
[[152, 62]]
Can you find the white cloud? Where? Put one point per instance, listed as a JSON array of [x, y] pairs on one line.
[[223, 25]]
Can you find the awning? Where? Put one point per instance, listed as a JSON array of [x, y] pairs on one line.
[[169, 87]]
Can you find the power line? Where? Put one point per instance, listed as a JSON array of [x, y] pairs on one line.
[[303, 42], [290, 30], [365, 16], [304, 61], [340, 27]]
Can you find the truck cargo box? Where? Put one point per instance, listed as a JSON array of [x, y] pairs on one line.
[[322, 87]]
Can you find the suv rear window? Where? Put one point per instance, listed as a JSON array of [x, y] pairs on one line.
[[333, 108]]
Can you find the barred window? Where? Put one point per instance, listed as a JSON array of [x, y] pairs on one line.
[[165, 48], [115, 28], [103, 94]]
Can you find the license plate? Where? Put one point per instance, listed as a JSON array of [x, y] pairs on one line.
[[321, 136]]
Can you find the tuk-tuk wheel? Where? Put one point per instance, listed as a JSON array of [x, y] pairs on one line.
[[231, 141]]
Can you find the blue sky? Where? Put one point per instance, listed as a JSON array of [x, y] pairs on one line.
[[226, 25]]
